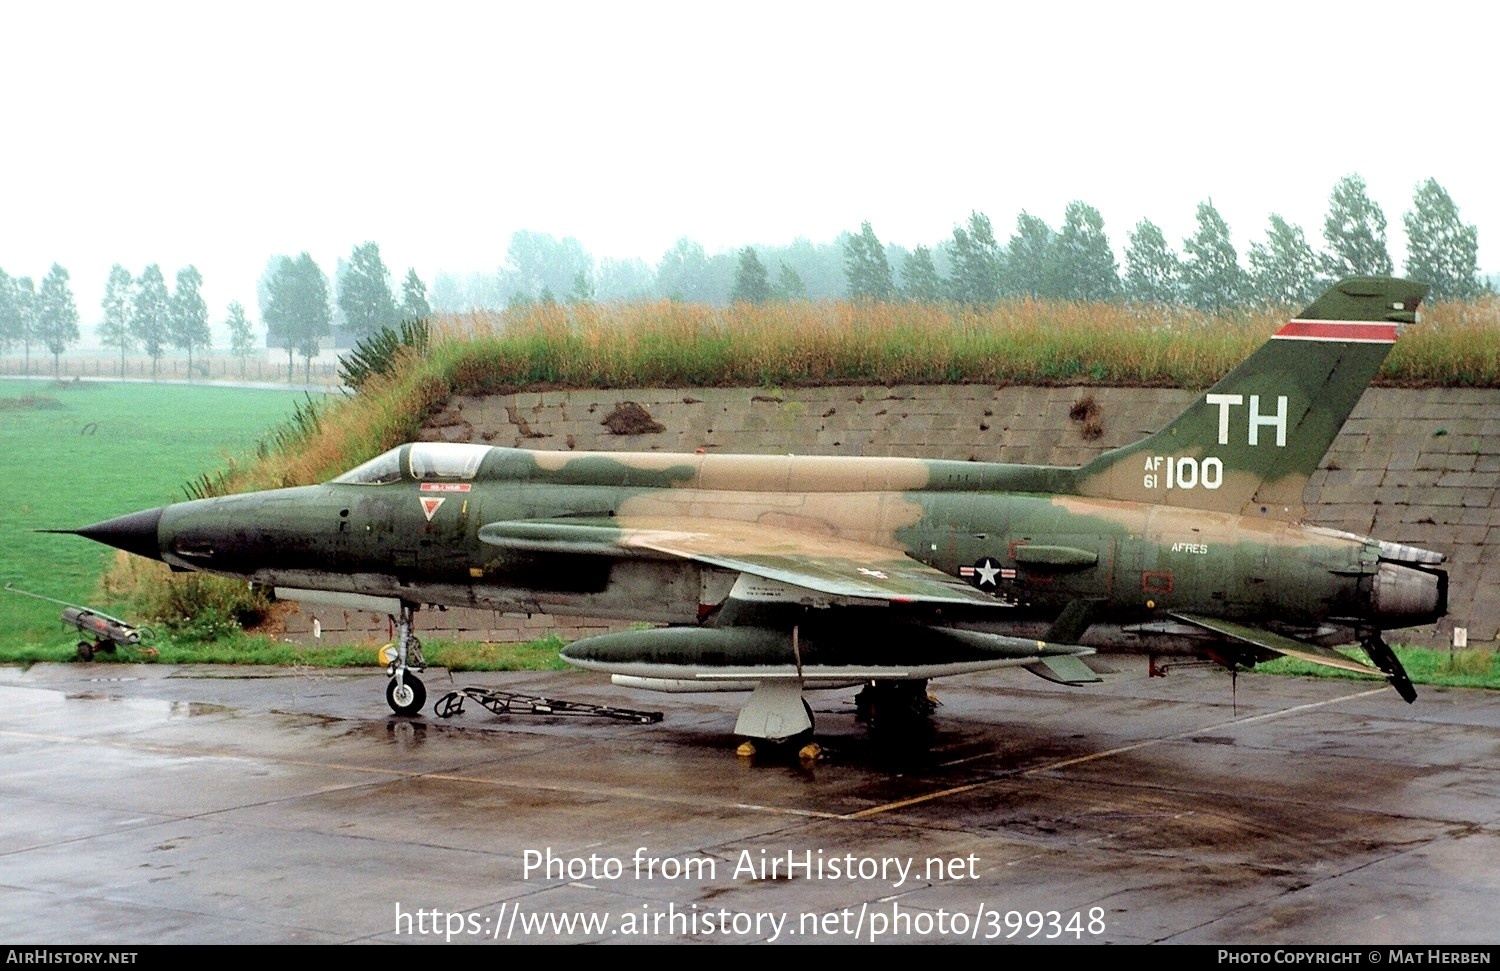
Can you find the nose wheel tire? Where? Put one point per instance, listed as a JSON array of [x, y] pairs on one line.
[[406, 695]]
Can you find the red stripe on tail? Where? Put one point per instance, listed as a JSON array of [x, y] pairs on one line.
[[1367, 332]]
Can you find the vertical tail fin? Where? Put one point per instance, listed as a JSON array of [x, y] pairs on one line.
[[1249, 444]]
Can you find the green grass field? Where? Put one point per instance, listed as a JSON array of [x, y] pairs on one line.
[[86, 451]]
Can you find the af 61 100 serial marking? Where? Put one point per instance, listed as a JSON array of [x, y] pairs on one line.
[[1183, 472]]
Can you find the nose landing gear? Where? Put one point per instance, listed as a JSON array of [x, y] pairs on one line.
[[405, 692]]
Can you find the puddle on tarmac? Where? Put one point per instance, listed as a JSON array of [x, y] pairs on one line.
[[169, 709]]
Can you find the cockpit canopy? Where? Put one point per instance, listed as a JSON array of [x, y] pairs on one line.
[[422, 461]]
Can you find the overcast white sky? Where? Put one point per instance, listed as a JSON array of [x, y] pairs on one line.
[[219, 134]]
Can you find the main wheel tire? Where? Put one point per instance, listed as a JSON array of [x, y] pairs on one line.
[[85, 651], [406, 695]]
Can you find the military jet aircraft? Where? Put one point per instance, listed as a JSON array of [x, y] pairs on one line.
[[780, 574]]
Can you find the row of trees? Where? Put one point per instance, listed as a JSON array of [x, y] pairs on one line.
[[142, 314], [45, 315], [137, 314], [1073, 261], [1076, 261], [294, 300], [365, 298]]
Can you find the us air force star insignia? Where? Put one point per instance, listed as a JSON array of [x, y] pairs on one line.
[[987, 569]]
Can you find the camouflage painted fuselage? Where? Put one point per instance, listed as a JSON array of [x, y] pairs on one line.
[[1015, 533]]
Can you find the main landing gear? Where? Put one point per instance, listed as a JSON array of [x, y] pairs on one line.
[[405, 693], [899, 705], [777, 715]]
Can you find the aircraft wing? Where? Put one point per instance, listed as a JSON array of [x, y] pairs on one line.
[[824, 564]]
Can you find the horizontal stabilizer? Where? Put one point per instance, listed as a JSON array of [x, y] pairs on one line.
[[1063, 670], [1258, 637]]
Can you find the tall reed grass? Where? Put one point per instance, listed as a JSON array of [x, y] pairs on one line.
[[610, 345]]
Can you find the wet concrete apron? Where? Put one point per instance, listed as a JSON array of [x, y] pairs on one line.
[[146, 804]]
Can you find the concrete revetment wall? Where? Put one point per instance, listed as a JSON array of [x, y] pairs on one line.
[[1413, 466]]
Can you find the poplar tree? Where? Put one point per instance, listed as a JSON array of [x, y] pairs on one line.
[[414, 305], [789, 285], [150, 315], [537, 262], [1442, 251], [114, 329], [187, 325], [17, 306], [1153, 273], [751, 282], [365, 293], [296, 309], [867, 273], [10, 313], [685, 273], [1283, 270], [241, 337], [1211, 275], [25, 292], [1031, 259], [1354, 232], [56, 314], [628, 279], [974, 262], [1086, 267], [919, 277]]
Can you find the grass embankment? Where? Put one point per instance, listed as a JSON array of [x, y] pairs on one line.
[[594, 345], [799, 344]]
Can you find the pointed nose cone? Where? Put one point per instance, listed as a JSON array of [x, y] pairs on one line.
[[135, 533]]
